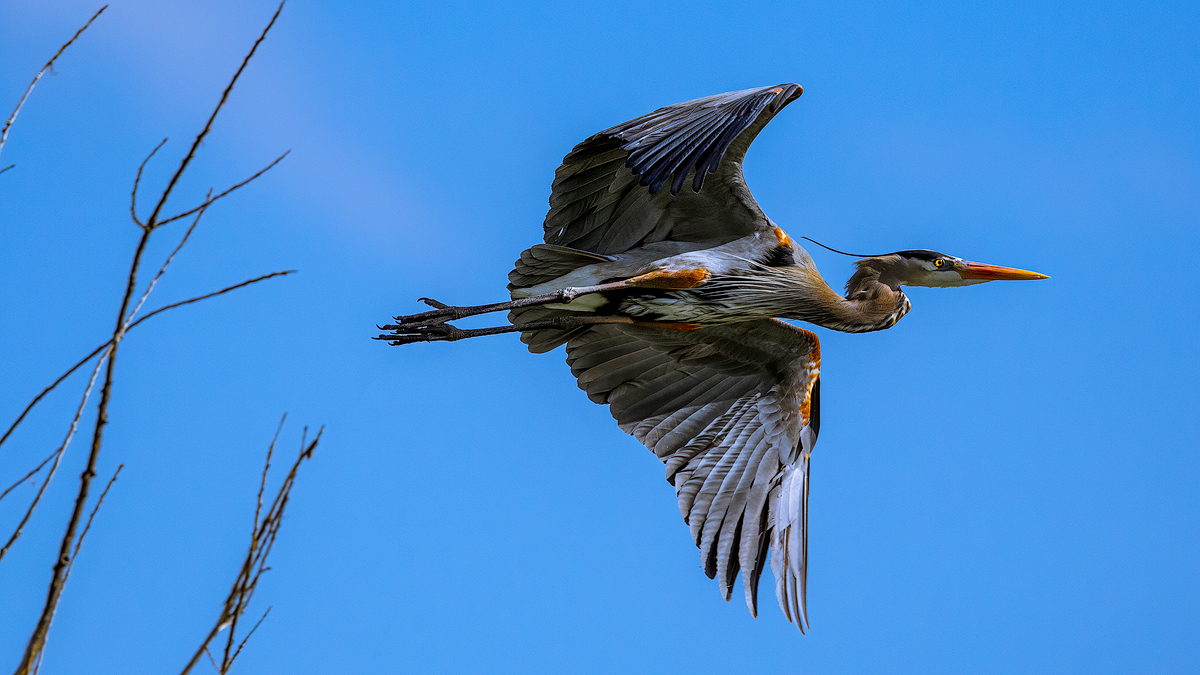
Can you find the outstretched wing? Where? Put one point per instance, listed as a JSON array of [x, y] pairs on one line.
[[608, 195], [733, 411]]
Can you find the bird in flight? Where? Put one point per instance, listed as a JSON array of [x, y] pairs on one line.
[[667, 283]]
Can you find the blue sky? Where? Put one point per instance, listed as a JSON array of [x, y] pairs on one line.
[[1006, 481]]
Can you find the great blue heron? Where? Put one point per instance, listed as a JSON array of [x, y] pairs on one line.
[[669, 303]]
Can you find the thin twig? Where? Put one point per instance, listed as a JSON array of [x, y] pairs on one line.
[[254, 564], [131, 326], [92, 516], [152, 221], [49, 66], [137, 180], [262, 483], [58, 579], [50, 388], [243, 642], [209, 201], [214, 294], [28, 475], [58, 455], [245, 588]]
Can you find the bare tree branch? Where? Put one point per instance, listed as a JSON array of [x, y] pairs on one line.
[[209, 200], [243, 642], [28, 475], [92, 516], [131, 326], [58, 455], [152, 221], [50, 67], [136, 181], [47, 390], [262, 482], [254, 564], [214, 294], [37, 640], [162, 270]]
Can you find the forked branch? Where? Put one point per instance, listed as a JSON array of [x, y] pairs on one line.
[[153, 222], [254, 564]]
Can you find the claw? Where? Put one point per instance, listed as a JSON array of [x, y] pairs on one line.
[[404, 335], [433, 303]]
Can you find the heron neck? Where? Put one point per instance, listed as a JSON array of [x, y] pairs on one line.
[[869, 304]]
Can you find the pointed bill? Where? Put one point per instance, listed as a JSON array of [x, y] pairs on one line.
[[985, 272]]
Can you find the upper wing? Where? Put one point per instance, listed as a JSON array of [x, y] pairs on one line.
[[733, 411], [607, 196]]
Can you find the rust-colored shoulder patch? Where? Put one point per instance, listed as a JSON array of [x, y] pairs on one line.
[[784, 239]]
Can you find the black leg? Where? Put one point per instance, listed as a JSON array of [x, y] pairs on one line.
[[444, 332], [443, 312]]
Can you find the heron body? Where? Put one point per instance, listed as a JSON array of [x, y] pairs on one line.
[[666, 283], [760, 276]]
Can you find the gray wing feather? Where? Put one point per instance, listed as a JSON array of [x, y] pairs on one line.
[[607, 196], [730, 411]]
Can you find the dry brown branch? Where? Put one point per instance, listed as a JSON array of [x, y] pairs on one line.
[[37, 640], [262, 540], [28, 475], [48, 67], [163, 268], [243, 642], [131, 326], [137, 181], [58, 455], [91, 517], [198, 298], [152, 221], [58, 579], [262, 481], [208, 201]]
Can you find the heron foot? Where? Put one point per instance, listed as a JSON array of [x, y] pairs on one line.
[[438, 332], [406, 334], [437, 316]]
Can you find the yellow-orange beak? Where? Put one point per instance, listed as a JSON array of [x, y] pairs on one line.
[[985, 272]]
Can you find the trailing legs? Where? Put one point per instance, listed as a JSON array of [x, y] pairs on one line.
[[434, 325]]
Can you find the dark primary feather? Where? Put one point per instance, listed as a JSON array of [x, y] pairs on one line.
[[693, 136], [723, 407], [607, 196]]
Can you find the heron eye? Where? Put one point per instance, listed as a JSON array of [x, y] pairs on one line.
[[939, 262]]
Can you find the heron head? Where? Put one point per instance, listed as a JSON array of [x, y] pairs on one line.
[[922, 267]]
